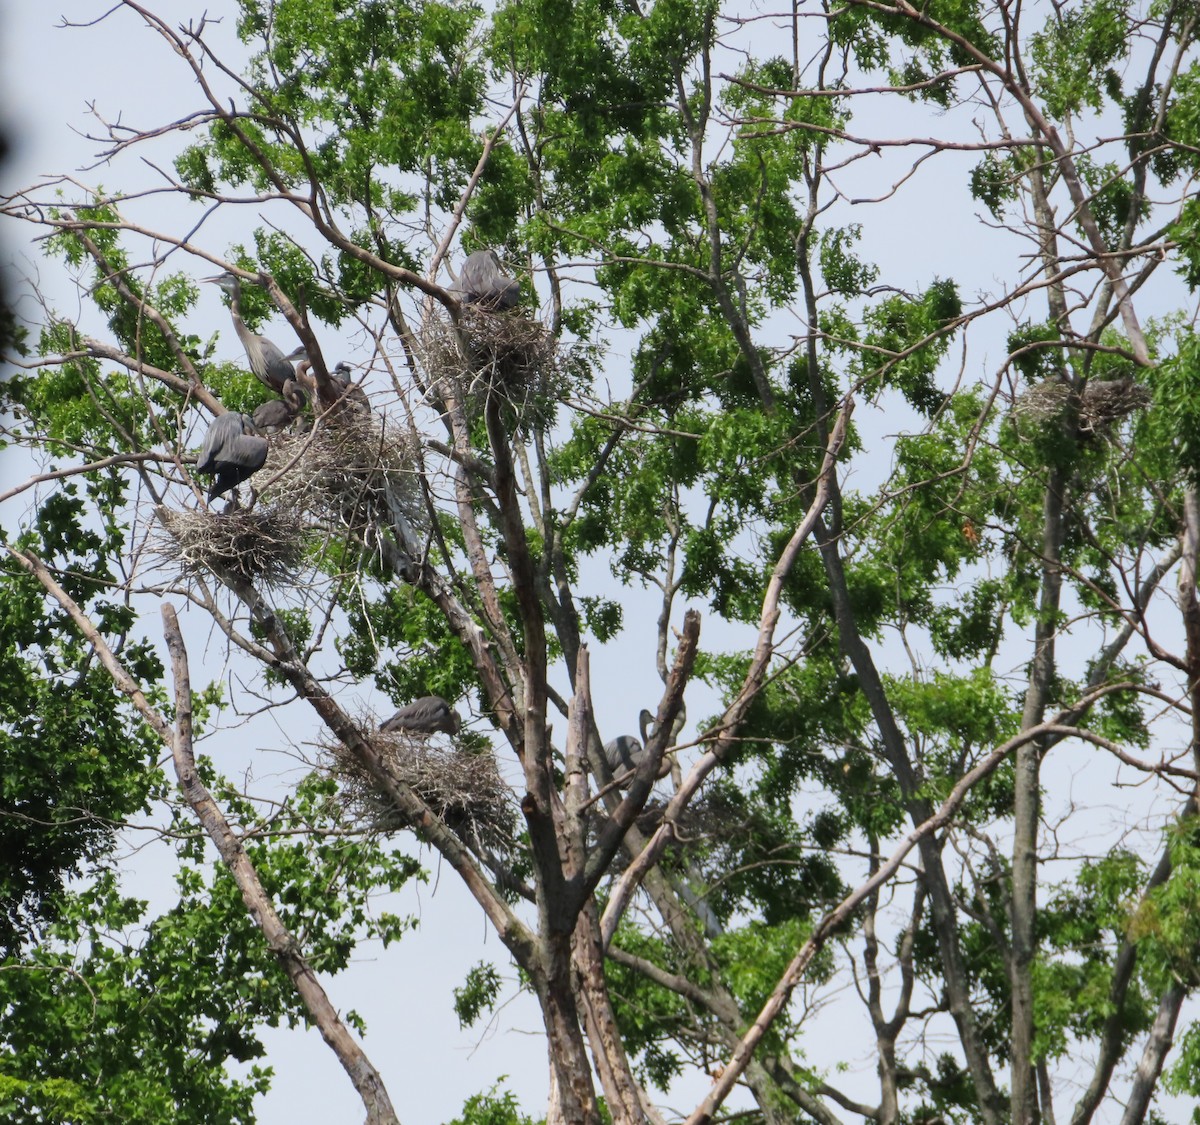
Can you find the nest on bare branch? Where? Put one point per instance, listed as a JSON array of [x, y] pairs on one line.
[[463, 790], [262, 544], [1103, 404], [351, 469], [494, 354]]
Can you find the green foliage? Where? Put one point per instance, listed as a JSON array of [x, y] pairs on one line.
[[905, 341], [650, 1017], [1073, 53], [1036, 351], [75, 759], [59, 1059], [844, 273], [1073, 995], [493, 1108], [993, 182], [430, 660], [1166, 922], [1113, 198], [686, 211], [1176, 388], [478, 994]]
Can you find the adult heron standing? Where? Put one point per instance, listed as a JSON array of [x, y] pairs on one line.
[[231, 453], [423, 716], [625, 753], [267, 362], [483, 283]]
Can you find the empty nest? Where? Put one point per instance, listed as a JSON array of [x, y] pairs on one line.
[[1103, 404], [263, 544], [463, 790]]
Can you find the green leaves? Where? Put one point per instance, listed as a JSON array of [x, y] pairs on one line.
[[905, 341], [477, 995], [1073, 52], [1176, 388]]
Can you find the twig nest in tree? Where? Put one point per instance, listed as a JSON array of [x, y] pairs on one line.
[[1103, 404], [353, 468], [697, 821], [1106, 402], [463, 790], [262, 544], [495, 354], [351, 471], [1043, 401]]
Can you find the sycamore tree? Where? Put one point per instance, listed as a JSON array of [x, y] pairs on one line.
[[924, 845]]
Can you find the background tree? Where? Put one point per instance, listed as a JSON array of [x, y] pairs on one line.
[[937, 503]]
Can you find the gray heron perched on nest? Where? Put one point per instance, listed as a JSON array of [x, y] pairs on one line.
[[276, 415], [625, 753], [426, 715], [483, 283], [231, 453], [267, 362]]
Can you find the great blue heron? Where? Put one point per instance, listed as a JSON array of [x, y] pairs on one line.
[[423, 716], [625, 753], [231, 452], [274, 416], [267, 362], [483, 283]]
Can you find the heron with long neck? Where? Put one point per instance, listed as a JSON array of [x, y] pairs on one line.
[[268, 362], [276, 415], [625, 753], [347, 389]]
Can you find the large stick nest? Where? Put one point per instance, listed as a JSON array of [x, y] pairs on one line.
[[1103, 404], [490, 354], [262, 544], [463, 790], [353, 468], [699, 822]]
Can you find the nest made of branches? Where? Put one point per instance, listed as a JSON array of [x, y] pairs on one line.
[[464, 790], [1103, 404], [352, 468], [506, 353], [260, 544]]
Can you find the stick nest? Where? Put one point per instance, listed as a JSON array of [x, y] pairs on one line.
[[463, 790], [1103, 405], [261, 544], [493, 354], [353, 468]]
